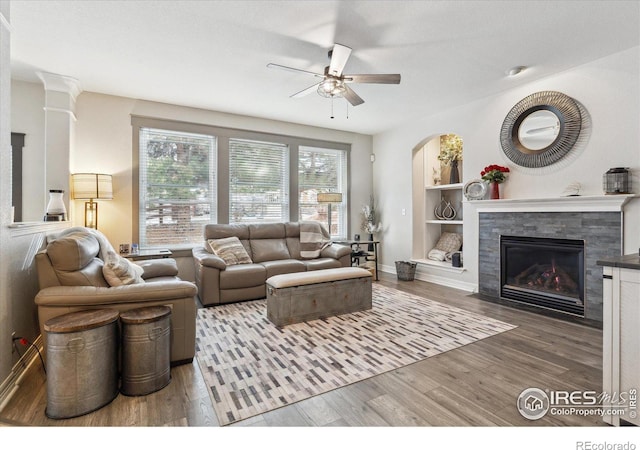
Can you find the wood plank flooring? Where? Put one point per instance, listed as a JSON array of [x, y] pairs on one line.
[[476, 385]]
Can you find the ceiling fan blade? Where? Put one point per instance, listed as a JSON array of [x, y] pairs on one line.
[[306, 91], [389, 78], [292, 69], [352, 97], [339, 56]]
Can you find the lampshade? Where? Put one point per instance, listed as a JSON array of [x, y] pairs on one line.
[[91, 186], [329, 197]]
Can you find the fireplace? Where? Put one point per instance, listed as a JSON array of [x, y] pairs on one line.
[[594, 221], [545, 272]]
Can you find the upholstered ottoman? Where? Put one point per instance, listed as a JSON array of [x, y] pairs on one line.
[[302, 296]]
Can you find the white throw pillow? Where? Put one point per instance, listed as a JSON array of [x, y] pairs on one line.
[[119, 271]]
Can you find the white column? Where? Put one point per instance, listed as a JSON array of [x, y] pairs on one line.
[[5, 189], [59, 134]]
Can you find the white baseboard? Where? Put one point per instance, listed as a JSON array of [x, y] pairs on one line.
[[431, 278], [11, 384]]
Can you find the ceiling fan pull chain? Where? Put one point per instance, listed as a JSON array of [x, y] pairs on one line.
[[332, 107], [347, 109]]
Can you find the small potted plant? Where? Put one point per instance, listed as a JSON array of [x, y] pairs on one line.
[[450, 154], [495, 175]]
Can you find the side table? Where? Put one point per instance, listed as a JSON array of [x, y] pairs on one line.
[[357, 252], [149, 253], [82, 362], [146, 347]]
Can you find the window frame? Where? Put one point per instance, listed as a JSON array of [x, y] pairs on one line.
[[342, 183], [222, 135]]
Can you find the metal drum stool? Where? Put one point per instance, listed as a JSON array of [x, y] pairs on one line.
[[146, 347], [82, 362]]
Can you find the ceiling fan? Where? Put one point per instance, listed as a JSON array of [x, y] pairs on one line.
[[334, 83]]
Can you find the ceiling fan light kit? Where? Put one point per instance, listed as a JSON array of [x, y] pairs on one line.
[[334, 82]]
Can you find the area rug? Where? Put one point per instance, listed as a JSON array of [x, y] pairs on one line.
[[251, 366]]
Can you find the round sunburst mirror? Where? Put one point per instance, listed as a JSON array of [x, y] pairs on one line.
[[541, 129]]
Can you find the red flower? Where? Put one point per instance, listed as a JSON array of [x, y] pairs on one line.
[[494, 173]]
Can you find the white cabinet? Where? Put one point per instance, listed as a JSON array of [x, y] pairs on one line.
[[621, 341]]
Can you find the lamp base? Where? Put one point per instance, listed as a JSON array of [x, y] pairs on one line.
[[91, 214]]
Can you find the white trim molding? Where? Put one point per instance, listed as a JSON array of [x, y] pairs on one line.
[[435, 279], [62, 110], [596, 203], [60, 83], [11, 384]]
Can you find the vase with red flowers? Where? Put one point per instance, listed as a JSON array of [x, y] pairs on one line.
[[495, 175]]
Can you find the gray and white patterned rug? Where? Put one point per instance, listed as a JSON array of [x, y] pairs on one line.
[[251, 366]]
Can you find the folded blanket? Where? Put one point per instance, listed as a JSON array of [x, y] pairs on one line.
[[312, 240]]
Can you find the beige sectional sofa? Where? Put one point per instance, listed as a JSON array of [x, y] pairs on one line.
[[273, 249]]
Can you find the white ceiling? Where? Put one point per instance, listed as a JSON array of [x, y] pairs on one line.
[[213, 54]]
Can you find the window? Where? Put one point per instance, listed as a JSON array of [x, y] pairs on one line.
[[258, 181], [321, 171], [187, 175], [177, 187]]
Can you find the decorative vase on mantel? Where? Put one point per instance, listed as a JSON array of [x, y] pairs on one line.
[[454, 175], [494, 190]]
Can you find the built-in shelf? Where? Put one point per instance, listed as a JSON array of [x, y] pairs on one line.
[[26, 228], [445, 222], [444, 187], [445, 265]]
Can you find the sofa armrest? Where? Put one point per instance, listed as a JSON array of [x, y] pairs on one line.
[[133, 293], [203, 257], [335, 251], [162, 267]]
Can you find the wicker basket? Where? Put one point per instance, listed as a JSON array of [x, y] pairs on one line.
[[406, 270]]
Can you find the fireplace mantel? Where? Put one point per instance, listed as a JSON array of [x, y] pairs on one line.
[[592, 203]]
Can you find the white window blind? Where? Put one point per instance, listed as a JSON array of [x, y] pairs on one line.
[[177, 187], [322, 171], [258, 181]]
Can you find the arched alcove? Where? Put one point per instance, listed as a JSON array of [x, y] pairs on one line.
[[432, 192]]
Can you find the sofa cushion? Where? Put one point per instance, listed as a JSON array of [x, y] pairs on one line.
[[283, 266], [73, 251], [119, 271], [243, 275], [230, 250], [219, 231], [322, 263], [269, 250], [266, 231], [89, 275], [161, 267]]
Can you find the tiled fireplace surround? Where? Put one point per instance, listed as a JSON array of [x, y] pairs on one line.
[[596, 220]]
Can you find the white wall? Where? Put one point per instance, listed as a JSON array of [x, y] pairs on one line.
[[104, 143], [609, 90], [27, 116], [5, 191]]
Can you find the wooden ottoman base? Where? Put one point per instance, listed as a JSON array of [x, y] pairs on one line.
[[298, 297]]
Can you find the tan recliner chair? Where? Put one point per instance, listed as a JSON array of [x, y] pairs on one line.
[[70, 275]]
